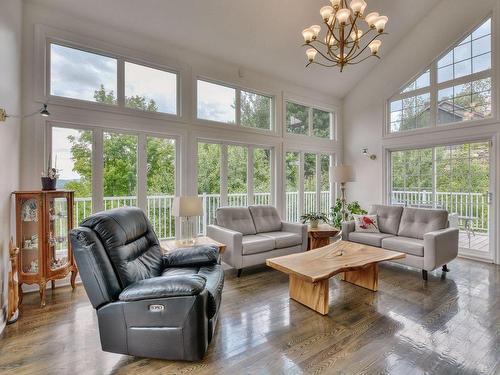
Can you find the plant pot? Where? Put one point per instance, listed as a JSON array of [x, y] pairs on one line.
[[49, 183], [314, 224]]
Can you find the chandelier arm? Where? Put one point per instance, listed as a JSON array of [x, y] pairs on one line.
[[322, 54], [360, 52], [331, 29], [352, 26], [365, 58], [353, 50], [326, 66]]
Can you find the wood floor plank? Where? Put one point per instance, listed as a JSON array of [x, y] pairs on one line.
[[450, 324]]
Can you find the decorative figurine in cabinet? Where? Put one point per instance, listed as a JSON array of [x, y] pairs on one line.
[[43, 222]]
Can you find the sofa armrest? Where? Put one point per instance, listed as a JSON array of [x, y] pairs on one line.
[[347, 227], [440, 247], [194, 256], [298, 228], [233, 241], [163, 287]]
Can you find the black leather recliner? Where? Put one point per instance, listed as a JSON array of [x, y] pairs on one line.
[[148, 304]]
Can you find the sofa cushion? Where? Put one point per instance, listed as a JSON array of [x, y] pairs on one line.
[[283, 239], [265, 218], [255, 243], [238, 219], [372, 239], [415, 222], [407, 245], [388, 217], [366, 223]]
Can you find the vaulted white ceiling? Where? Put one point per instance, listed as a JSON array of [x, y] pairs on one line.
[[261, 35]]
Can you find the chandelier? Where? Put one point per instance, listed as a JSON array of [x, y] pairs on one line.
[[344, 42]]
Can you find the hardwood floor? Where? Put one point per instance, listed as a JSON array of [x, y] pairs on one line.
[[448, 325]]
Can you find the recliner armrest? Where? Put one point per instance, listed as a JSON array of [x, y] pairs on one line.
[[163, 287], [194, 256]]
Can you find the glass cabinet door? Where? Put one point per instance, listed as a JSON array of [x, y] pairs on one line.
[[30, 245], [57, 233]]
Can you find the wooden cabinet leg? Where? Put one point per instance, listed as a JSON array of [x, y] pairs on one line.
[[20, 291], [52, 284], [74, 273], [42, 287]]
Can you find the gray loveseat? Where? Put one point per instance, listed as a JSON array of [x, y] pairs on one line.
[[255, 233], [422, 234]]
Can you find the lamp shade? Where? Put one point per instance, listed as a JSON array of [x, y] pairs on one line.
[[343, 173], [187, 206]]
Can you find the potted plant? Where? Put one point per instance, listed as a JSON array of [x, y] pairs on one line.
[[353, 208], [314, 218], [50, 176]]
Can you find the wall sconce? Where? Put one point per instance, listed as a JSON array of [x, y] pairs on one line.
[[368, 155], [44, 112]]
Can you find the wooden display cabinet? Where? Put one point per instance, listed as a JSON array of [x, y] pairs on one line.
[[43, 222]]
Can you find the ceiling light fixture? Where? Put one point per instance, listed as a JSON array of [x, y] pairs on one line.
[[344, 42]]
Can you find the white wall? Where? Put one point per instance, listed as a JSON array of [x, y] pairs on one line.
[[10, 131], [364, 107]]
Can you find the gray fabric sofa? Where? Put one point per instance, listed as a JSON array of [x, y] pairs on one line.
[[255, 233], [423, 234]]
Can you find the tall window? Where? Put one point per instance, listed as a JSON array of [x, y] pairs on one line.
[[307, 184], [88, 76], [462, 90], [231, 105], [309, 121], [72, 157], [233, 175]]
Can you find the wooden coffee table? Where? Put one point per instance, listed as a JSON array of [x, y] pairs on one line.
[[309, 272], [320, 236]]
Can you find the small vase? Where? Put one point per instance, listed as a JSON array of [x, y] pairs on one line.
[[49, 183], [314, 224]]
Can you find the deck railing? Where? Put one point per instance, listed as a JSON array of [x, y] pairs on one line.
[[472, 208]]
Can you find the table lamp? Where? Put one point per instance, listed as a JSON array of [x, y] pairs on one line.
[[343, 174], [187, 208]]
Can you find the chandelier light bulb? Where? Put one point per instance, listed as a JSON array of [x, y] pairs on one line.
[[370, 18], [380, 23], [311, 54], [375, 46], [358, 6], [356, 36], [335, 3], [316, 29], [343, 15], [308, 35], [326, 12], [329, 39]]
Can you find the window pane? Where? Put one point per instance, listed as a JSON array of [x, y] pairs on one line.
[[481, 63], [262, 176], [256, 110], [322, 123], [484, 29], [445, 74], [325, 199], [297, 118], [415, 113], [150, 89], [82, 75], [216, 102], [482, 45], [310, 183], [120, 170], [422, 81], [463, 68], [237, 157], [209, 156], [161, 185], [446, 60], [72, 157], [292, 161], [462, 52]]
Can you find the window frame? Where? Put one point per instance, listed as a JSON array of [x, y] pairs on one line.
[[435, 87], [310, 108], [43, 88], [237, 125]]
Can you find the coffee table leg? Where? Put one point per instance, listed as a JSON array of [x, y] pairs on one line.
[[366, 277], [312, 295]]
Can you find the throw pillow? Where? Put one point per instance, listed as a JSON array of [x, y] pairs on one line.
[[366, 223]]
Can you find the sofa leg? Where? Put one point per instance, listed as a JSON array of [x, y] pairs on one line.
[[239, 272], [445, 268], [424, 275]]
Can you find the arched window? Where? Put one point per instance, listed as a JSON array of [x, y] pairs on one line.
[[455, 88]]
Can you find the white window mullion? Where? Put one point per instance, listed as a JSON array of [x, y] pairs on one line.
[[121, 83], [250, 190], [97, 171], [223, 175], [433, 96], [301, 184], [238, 106], [142, 173], [318, 182], [310, 122]]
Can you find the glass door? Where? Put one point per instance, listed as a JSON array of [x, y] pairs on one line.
[[57, 236]]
